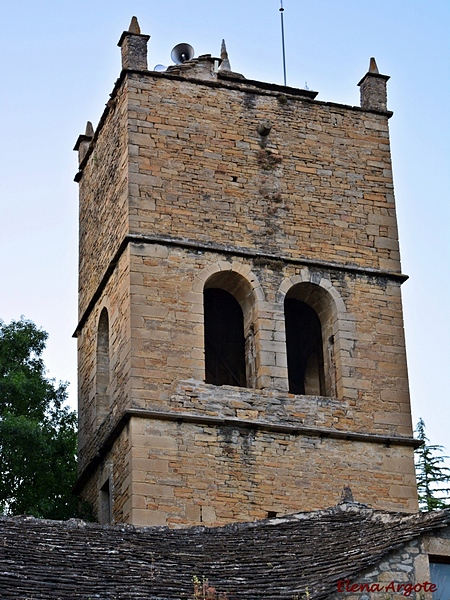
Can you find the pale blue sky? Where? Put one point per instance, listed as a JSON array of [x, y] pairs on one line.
[[59, 62]]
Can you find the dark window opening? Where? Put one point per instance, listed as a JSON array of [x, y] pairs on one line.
[[105, 512], [103, 366], [304, 349], [271, 514], [224, 339]]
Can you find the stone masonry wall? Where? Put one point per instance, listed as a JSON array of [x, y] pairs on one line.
[[183, 158], [188, 473], [168, 335], [116, 300], [402, 574], [115, 464], [319, 186], [179, 166], [103, 199]]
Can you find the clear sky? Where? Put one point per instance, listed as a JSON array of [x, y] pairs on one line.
[[59, 61]]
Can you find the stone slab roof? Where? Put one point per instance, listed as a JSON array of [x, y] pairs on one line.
[[276, 558]]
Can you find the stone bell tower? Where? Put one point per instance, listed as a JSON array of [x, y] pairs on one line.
[[240, 335]]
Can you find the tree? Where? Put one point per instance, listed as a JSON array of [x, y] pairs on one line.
[[433, 478], [37, 432]]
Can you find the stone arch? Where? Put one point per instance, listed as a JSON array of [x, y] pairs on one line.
[[235, 267], [223, 286], [102, 374], [314, 306], [315, 278]]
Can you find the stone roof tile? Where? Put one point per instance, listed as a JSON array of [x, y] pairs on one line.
[[271, 559]]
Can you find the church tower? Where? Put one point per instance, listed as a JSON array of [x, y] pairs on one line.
[[240, 335]]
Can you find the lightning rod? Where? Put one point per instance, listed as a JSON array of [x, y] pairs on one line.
[[282, 39]]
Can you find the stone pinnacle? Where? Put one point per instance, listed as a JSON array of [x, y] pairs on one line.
[[134, 26], [373, 66], [225, 64]]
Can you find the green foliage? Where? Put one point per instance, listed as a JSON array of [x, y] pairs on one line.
[[37, 432], [433, 478]]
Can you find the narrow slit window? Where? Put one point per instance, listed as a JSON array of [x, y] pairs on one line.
[[103, 366], [105, 504]]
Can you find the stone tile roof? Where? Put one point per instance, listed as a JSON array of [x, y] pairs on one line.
[[276, 558]]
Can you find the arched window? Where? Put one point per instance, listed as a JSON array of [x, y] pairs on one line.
[[304, 348], [229, 314], [224, 339], [309, 326], [102, 375]]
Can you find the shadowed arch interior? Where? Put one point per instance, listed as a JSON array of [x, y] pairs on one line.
[[304, 348], [310, 320], [224, 339], [229, 305]]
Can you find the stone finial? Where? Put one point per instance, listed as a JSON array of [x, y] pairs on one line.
[[373, 68], [84, 141], [134, 26], [347, 495], [225, 64], [373, 89], [134, 47], [89, 130]]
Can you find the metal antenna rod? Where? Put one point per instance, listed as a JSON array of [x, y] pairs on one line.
[[282, 40]]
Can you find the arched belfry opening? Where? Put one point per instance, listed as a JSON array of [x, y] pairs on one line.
[[304, 348], [103, 367], [309, 340], [228, 303], [224, 339]]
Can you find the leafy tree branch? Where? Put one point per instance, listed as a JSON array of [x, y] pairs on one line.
[[37, 431]]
